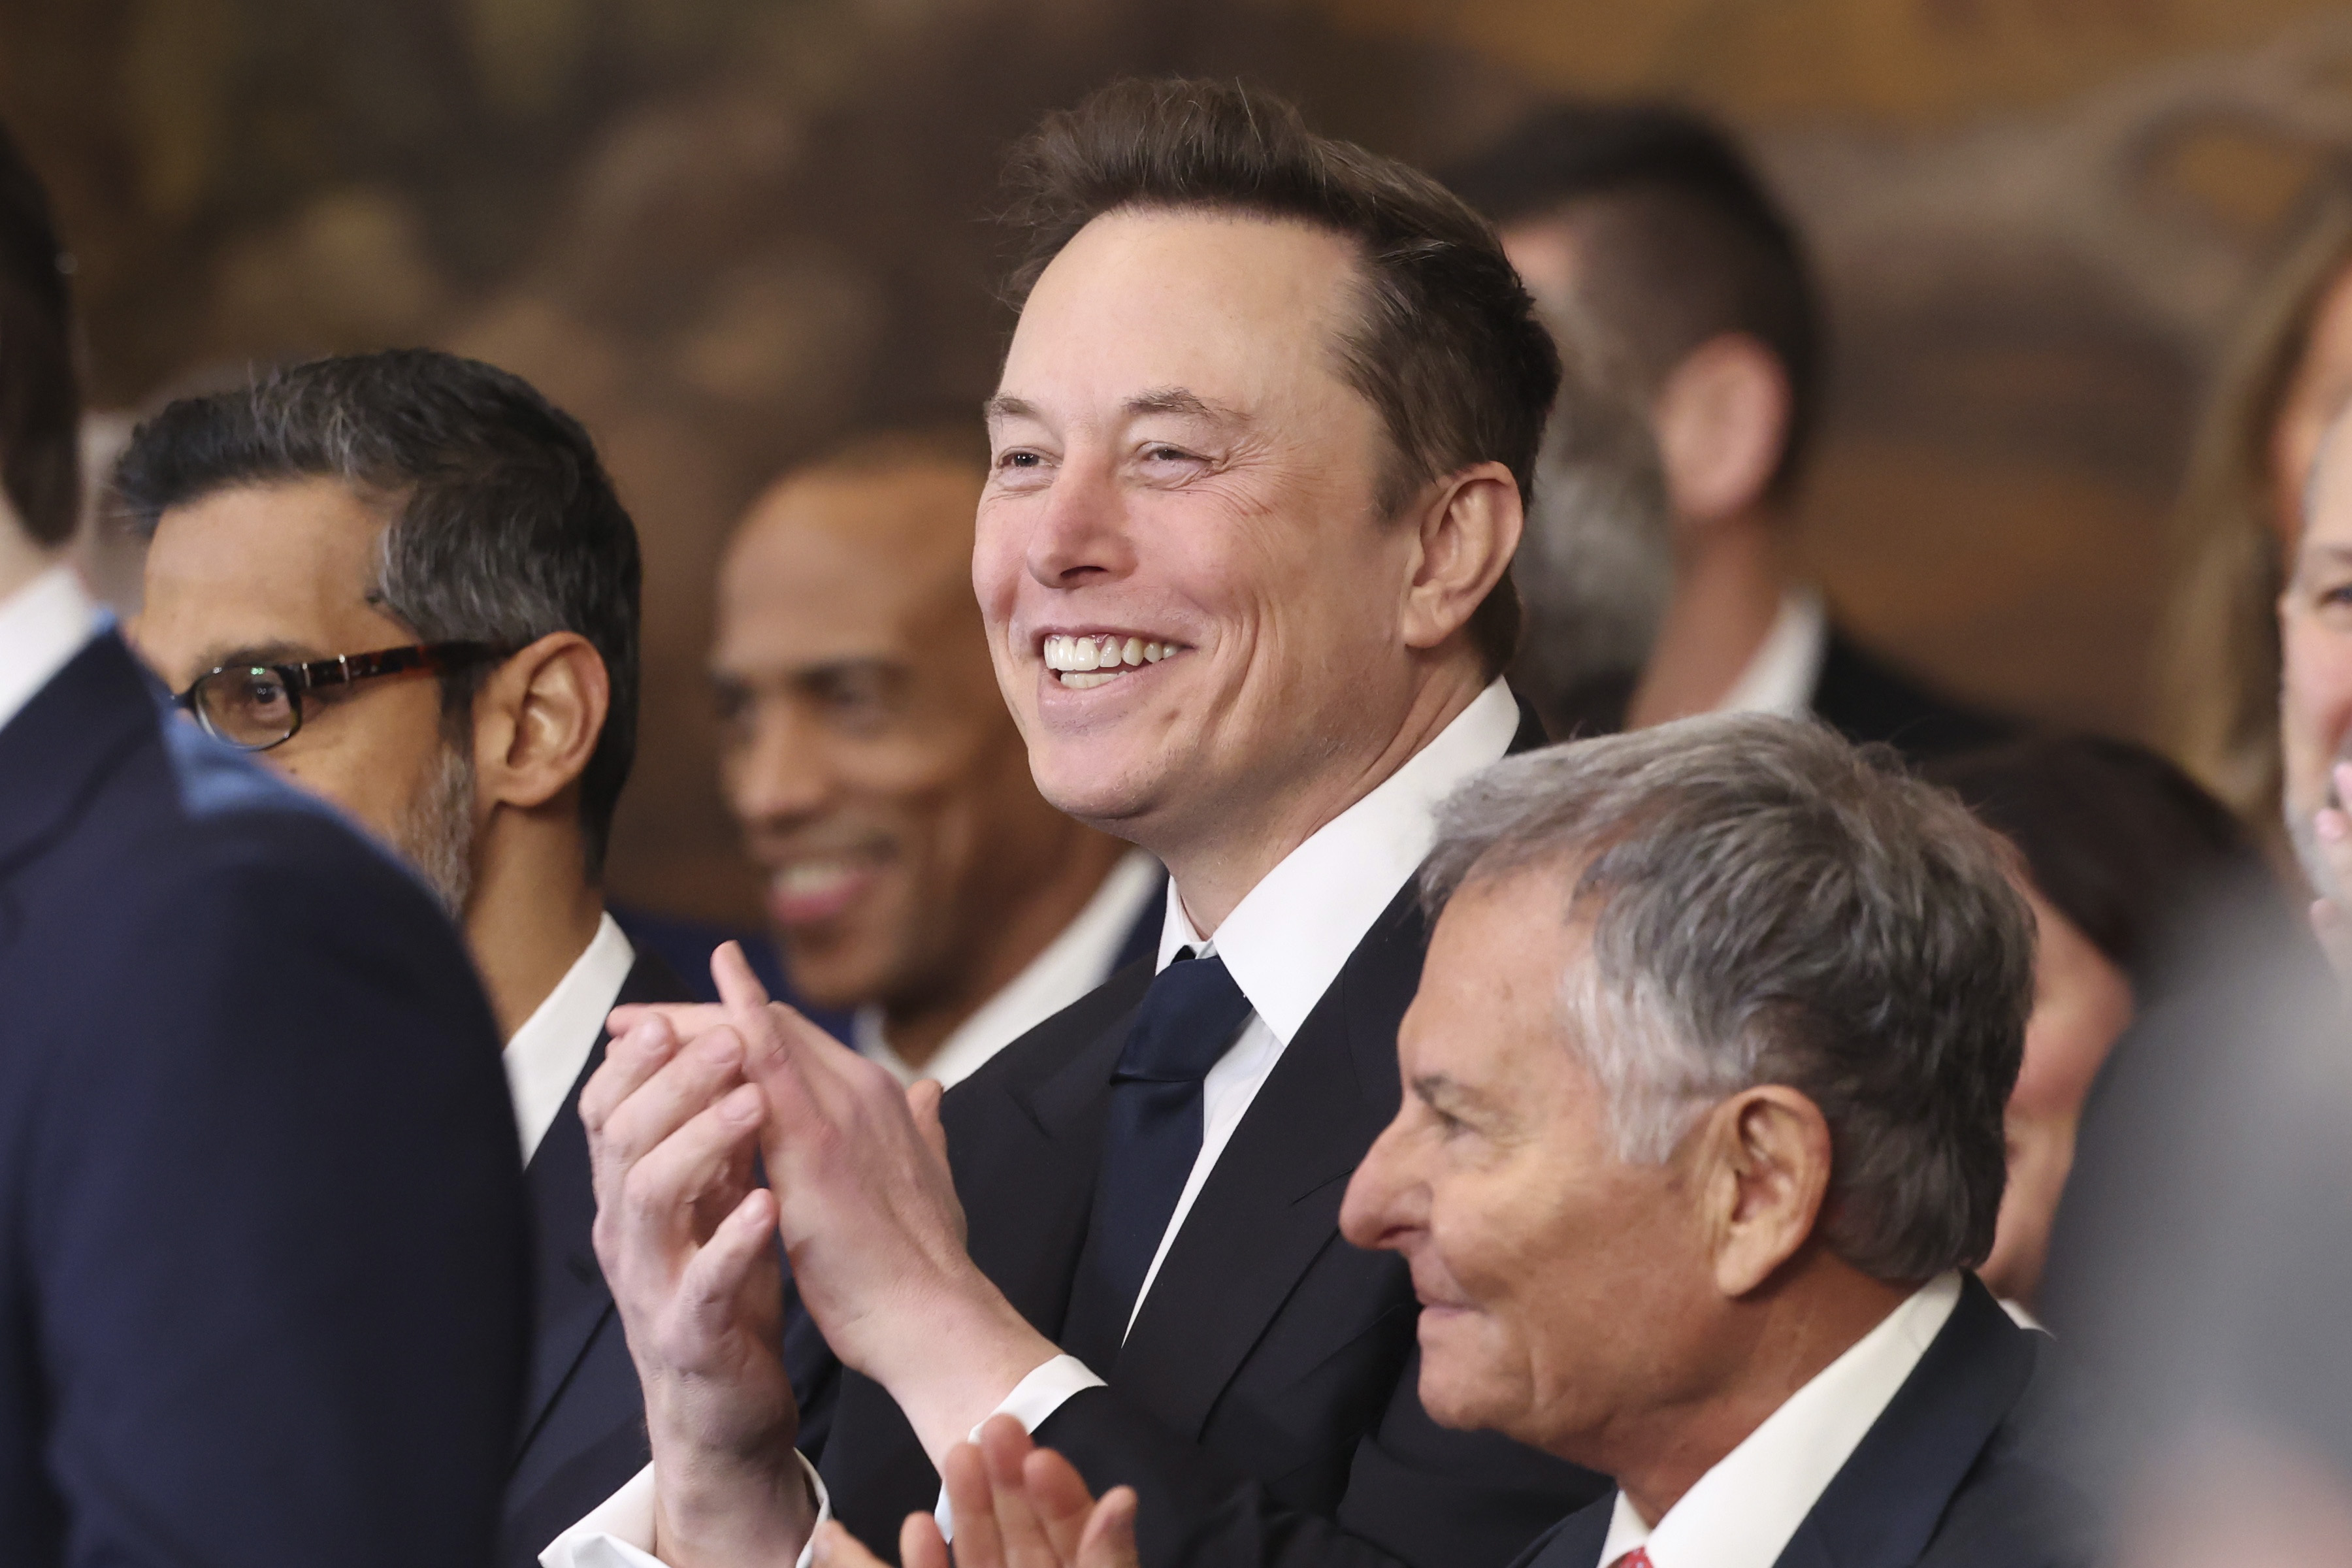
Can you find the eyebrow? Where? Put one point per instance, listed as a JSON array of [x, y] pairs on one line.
[[1177, 400], [246, 654]]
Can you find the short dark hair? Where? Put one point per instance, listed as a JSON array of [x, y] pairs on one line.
[[2120, 841], [504, 526], [40, 394], [1767, 903], [1449, 350], [1683, 239]]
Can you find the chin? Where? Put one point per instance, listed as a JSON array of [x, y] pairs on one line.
[[1457, 1388]]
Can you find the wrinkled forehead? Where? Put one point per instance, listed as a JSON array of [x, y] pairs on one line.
[[1244, 310], [289, 565]]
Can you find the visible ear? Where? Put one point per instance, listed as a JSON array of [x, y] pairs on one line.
[[538, 718], [1764, 1173], [1466, 531], [1722, 420]]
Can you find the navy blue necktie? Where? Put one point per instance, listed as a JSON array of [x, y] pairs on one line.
[[1150, 1139]]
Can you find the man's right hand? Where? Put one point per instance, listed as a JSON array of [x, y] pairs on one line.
[[686, 1239]]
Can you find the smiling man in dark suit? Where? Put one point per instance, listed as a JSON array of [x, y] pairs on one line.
[[1262, 443], [403, 580], [262, 1289]]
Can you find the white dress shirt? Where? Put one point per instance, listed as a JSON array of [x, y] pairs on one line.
[[1787, 665], [1072, 965], [42, 626], [1284, 945], [1744, 1510], [544, 1059]]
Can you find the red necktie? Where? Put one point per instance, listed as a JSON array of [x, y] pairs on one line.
[[1637, 1558]]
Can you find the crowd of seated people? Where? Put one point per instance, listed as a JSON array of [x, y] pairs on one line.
[[1384, 985]]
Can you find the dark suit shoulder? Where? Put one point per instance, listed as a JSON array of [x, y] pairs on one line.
[[1575, 1541], [2027, 1501], [1868, 699]]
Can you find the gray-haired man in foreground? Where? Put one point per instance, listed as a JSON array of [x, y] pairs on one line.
[[1702, 1132]]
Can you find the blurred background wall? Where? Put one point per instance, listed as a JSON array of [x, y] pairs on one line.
[[724, 232]]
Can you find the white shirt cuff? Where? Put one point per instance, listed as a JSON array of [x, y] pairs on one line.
[[1032, 1399], [619, 1534]]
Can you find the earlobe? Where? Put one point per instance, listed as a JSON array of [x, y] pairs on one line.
[[552, 699], [1722, 418], [1469, 529], [1773, 1145]]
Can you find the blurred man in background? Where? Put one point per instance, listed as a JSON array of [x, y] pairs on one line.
[[403, 580], [1645, 224], [912, 870], [262, 1286]]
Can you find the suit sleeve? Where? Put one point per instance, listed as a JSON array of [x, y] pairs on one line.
[[275, 1224], [1416, 1496]]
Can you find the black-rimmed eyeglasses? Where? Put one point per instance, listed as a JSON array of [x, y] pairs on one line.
[[254, 707]]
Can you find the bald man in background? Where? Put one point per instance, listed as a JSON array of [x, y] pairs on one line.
[[911, 870]]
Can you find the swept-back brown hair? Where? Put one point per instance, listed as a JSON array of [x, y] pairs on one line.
[[1448, 349], [2219, 658]]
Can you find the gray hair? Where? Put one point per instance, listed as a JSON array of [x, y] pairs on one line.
[[1595, 566], [1766, 904], [503, 525]]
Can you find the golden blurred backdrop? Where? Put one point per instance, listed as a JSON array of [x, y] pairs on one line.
[[725, 232]]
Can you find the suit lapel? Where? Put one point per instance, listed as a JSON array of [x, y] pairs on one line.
[[1883, 1505], [571, 1296], [1271, 1203]]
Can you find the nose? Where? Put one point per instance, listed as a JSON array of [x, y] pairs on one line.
[[1384, 1204], [779, 774], [1080, 535]]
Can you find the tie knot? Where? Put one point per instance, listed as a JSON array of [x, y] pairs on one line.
[[1187, 1019]]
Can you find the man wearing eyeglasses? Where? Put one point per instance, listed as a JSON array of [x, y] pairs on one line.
[[403, 580], [262, 1281]]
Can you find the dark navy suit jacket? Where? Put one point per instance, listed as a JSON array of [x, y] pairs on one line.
[[1975, 1464], [262, 1294], [583, 1431]]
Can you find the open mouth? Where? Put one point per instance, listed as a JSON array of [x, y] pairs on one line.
[[1082, 662], [804, 891]]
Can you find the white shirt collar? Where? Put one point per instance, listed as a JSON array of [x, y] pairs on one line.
[[1787, 665], [544, 1059], [1287, 940], [42, 626], [1742, 1512], [1073, 963]]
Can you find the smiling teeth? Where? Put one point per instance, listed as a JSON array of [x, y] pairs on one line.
[[1090, 661]]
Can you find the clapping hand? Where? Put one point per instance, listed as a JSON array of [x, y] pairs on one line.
[[1016, 1506]]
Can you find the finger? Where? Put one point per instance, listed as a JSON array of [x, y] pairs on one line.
[[1109, 1539], [923, 1099], [710, 1293], [680, 1089], [688, 1018], [973, 1502], [650, 1214], [740, 990], [634, 1055], [1004, 1443], [1058, 1494], [836, 1548], [920, 1544]]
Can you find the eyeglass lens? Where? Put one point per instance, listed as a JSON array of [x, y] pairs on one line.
[[251, 708]]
